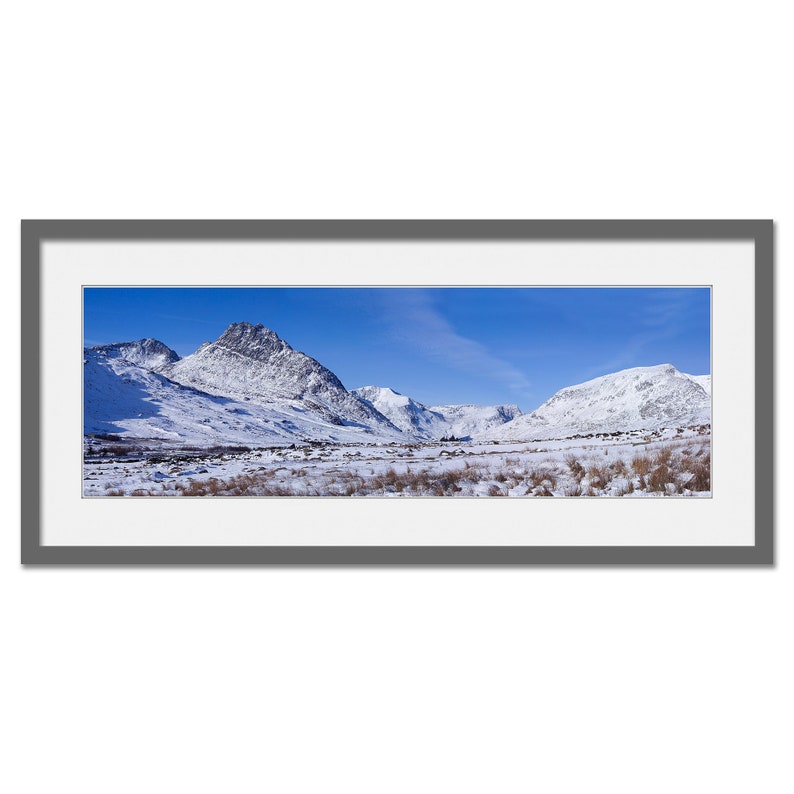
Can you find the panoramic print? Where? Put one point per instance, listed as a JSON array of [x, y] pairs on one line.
[[397, 392]]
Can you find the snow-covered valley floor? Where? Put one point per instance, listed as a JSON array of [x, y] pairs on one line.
[[672, 462]]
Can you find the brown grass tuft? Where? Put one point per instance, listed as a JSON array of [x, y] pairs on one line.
[[663, 457], [542, 478], [701, 474], [660, 477], [641, 465], [599, 477], [576, 468]]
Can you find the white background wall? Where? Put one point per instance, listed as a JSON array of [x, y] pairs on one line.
[[556, 680]]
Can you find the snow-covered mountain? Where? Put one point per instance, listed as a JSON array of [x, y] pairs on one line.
[[641, 398], [127, 400], [147, 353], [469, 421], [404, 412], [122, 398], [440, 421], [250, 363], [251, 387]]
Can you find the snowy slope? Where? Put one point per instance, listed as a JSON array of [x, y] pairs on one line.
[[120, 397], [470, 421], [250, 363], [404, 412], [702, 380], [127, 400], [634, 399]]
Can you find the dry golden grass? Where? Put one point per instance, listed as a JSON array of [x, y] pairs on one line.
[[543, 478], [619, 468], [680, 467], [663, 457], [576, 468], [660, 478], [674, 469], [701, 473], [641, 464], [599, 477]]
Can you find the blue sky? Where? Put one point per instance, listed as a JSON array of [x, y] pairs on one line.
[[438, 345]]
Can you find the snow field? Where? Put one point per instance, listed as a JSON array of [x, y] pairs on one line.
[[672, 464]]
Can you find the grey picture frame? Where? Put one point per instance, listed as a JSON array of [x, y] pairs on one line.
[[34, 233]]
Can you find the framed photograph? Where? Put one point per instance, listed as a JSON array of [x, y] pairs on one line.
[[397, 392]]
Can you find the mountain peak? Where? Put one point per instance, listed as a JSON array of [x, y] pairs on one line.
[[402, 411], [639, 398], [630, 373], [382, 393], [252, 363], [254, 341], [147, 353]]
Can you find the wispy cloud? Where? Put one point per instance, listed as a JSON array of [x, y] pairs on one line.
[[657, 320], [416, 321], [626, 357], [665, 311]]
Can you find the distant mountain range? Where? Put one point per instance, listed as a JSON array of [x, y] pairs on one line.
[[250, 387], [459, 421]]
